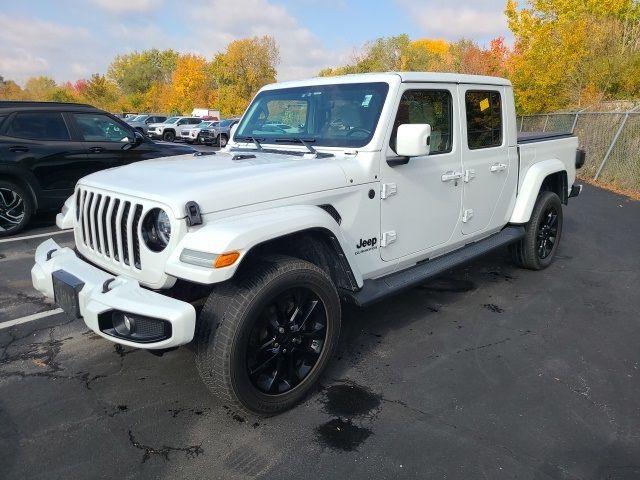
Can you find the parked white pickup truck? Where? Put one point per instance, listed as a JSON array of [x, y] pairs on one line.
[[379, 183]]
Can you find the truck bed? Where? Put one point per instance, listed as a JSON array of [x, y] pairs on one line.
[[533, 137]]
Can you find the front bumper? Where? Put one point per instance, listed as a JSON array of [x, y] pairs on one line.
[[153, 134], [124, 295]]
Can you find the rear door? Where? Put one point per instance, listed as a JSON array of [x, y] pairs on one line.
[[41, 142], [485, 155]]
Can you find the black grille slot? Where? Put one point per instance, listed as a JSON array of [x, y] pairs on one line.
[[124, 234], [103, 222], [96, 221], [88, 210], [83, 219], [136, 237], [78, 193], [114, 230]]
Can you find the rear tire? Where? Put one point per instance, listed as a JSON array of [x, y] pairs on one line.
[[265, 338], [168, 136], [538, 248], [16, 208]]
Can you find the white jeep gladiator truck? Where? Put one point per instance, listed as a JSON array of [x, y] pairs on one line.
[[379, 183]]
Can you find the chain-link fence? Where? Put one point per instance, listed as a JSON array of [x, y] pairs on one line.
[[610, 139]]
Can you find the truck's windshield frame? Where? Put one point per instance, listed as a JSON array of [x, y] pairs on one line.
[[335, 115]]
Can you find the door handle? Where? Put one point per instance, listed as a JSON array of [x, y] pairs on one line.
[[96, 149], [18, 148], [451, 175], [498, 167]]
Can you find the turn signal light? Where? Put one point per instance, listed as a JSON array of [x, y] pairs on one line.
[[226, 259]]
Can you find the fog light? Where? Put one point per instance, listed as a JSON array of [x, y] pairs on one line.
[[133, 327], [123, 324]]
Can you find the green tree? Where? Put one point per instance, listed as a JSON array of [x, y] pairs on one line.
[[135, 73], [39, 88]]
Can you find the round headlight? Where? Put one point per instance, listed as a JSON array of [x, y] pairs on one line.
[[156, 229]]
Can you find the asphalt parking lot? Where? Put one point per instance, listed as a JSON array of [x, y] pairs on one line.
[[488, 372]]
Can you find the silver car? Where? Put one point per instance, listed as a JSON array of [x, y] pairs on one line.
[[141, 122], [192, 134]]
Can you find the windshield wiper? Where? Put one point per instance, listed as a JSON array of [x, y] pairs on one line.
[[300, 140], [256, 141]]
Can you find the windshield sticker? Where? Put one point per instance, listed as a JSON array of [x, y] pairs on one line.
[[484, 104], [367, 100]]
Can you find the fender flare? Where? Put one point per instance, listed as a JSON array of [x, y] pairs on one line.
[[243, 232], [528, 191]]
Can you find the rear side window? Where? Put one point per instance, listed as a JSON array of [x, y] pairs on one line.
[[38, 126], [484, 119]]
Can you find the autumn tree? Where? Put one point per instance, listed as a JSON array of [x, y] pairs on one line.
[[192, 84], [245, 67], [572, 53], [101, 92], [10, 90]]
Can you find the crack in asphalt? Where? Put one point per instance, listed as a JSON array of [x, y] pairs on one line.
[[190, 451]]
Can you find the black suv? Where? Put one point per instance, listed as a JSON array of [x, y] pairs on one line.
[[46, 147]]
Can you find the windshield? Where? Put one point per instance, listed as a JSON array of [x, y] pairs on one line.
[[226, 123], [171, 120], [203, 124], [137, 118], [343, 115]]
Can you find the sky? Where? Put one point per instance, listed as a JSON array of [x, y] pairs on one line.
[[72, 39]]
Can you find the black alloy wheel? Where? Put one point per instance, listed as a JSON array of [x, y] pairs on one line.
[[286, 341], [547, 232], [542, 234], [169, 136]]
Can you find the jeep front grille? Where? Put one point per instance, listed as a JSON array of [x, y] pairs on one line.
[[110, 226]]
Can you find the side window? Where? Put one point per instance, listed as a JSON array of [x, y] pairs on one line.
[[181, 122], [97, 127], [39, 126], [195, 121], [484, 119], [427, 106]]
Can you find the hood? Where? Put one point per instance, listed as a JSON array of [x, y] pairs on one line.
[[152, 125], [217, 182]]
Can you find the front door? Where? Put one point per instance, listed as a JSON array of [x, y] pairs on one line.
[[486, 158], [108, 143], [421, 200]]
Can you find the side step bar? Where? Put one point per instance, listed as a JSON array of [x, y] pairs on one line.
[[379, 288]]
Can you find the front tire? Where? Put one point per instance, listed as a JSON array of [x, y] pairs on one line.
[[538, 248], [16, 208], [264, 339], [168, 136], [222, 141]]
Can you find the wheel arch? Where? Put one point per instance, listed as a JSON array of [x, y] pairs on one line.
[[318, 246], [308, 232], [549, 175]]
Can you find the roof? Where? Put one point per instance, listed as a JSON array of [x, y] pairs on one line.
[[28, 105], [397, 77]]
